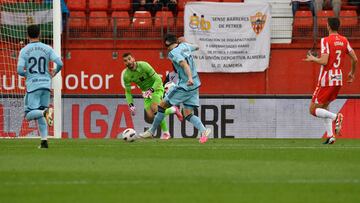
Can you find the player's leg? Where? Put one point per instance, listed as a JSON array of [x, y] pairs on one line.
[[156, 99], [47, 119], [191, 102], [32, 104], [319, 108]]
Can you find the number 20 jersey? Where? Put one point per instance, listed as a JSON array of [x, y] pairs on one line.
[[337, 47], [35, 57]]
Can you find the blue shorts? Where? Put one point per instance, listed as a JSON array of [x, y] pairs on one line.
[[37, 100], [177, 95]]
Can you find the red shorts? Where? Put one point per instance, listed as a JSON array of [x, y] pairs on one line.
[[325, 95]]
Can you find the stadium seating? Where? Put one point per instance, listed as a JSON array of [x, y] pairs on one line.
[[98, 19], [181, 4], [122, 19], [142, 19], [348, 18], [124, 5], [303, 24], [323, 16], [77, 19], [164, 19], [98, 5], [78, 5], [180, 21]]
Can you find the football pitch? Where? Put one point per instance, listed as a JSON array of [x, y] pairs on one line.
[[180, 170]]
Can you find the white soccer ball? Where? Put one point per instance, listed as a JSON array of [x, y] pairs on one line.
[[129, 135], [168, 86]]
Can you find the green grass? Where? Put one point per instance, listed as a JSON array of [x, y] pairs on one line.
[[180, 170]]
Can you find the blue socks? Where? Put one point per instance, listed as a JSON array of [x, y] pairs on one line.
[[43, 128], [157, 120], [196, 122]]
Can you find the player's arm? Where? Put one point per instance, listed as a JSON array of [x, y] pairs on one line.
[[354, 61], [21, 65], [128, 95], [323, 60], [151, 72], [56, 59], [192, 47]]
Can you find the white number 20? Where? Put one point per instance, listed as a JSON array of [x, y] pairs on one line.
[[338, 59]]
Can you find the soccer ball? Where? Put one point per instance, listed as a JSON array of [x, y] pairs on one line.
[[168, 86], [129, 135]]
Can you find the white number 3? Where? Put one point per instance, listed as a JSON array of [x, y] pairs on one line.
[[338, 59]]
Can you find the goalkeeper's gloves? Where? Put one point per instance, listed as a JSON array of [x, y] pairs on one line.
[[147, 93], [132, 109]]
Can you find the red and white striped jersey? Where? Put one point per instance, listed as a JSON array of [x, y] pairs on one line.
[[337, 47]]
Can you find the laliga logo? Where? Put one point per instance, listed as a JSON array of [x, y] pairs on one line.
[[199, 24], [258, 22]]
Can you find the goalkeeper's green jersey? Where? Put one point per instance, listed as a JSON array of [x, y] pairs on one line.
[[144, 76]]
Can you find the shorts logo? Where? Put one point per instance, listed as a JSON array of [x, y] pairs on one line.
[[258, 22]]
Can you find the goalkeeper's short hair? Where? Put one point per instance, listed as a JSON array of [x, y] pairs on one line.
[[33, 31]]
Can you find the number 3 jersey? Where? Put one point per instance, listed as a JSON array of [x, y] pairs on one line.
[[35, 58], [337, 47]]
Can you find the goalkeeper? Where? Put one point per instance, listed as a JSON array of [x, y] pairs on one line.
[[144, 76]]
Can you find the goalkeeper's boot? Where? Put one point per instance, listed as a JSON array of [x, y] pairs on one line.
[[48, 114], [165, 136], [330, 140], [205, 136], [44, 144], [338, 123], [146, 134]]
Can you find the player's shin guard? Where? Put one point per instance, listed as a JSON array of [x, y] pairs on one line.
[[34, 114], [157, 120], [196, 122], [43, 128]]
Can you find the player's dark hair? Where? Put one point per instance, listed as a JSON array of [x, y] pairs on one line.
[[334, 23], [33, 31], [170, 39], [126, 54]]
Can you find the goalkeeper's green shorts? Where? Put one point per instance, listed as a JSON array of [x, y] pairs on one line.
[[155, 98]]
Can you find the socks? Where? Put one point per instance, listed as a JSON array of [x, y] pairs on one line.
[[34, 114], [159, 117], [328, 126], [43, 128], [170, 110], [196, 122], [163, 126], [323, 113]]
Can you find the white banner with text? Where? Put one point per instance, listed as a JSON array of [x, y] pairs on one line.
[[233, 37]]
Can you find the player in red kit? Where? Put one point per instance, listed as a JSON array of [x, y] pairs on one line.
[[333, 51]]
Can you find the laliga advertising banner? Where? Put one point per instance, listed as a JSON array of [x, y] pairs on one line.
[[233, 37]]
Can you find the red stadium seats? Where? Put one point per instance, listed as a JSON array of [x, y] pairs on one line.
[[98, 5], [78, 5], [77, 19], [164, 19], [142, 19], [303, 19], [348, 18], [98, 19], [180, 20], [124, 5], [181, 4], [122, 19], [323, 16]]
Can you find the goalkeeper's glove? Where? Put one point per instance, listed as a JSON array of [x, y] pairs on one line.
[[132, 109], [147, 93]]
